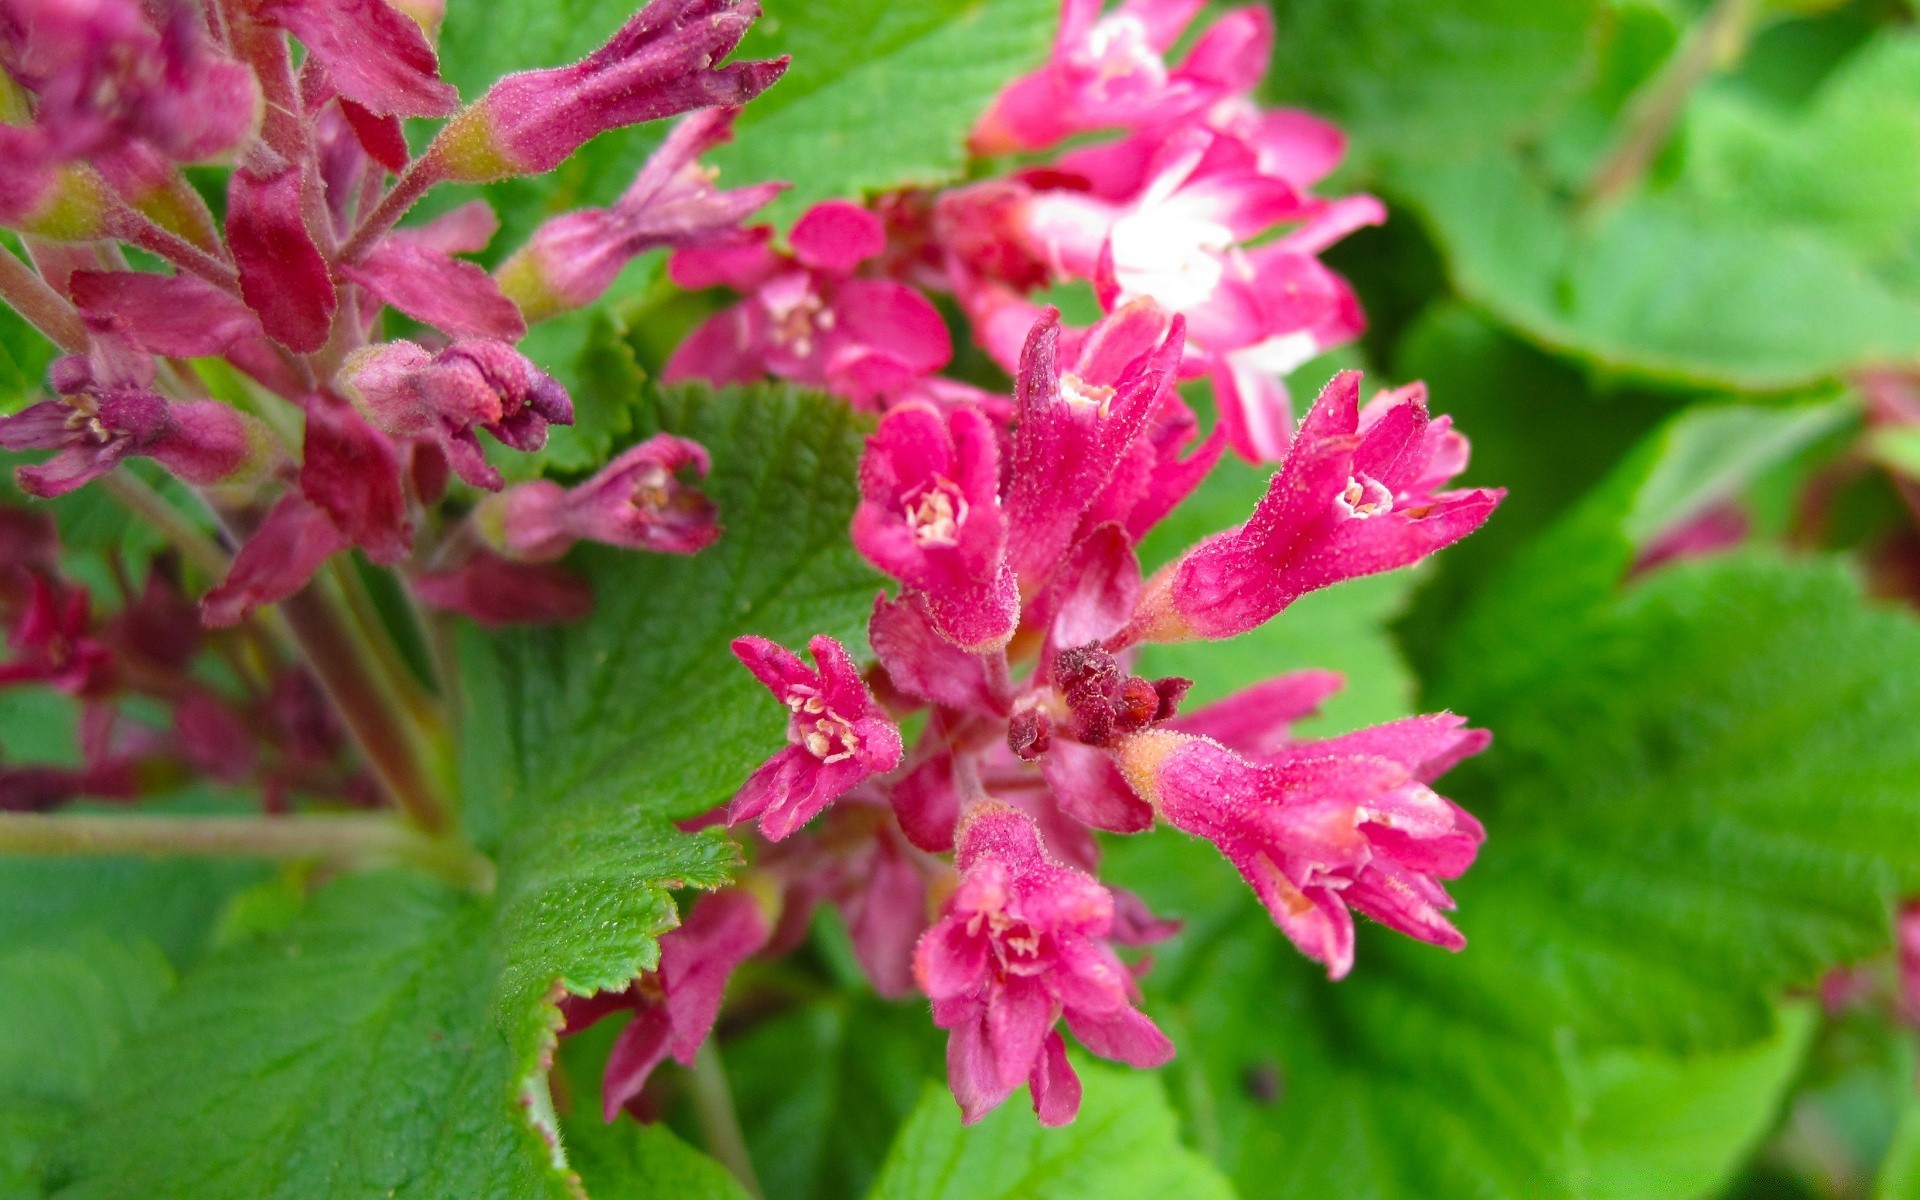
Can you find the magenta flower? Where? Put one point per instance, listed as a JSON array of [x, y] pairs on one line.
[[441, 398], [930, 517], [284, 277], [675, 1005], [277, 561], [637, 500], [376, 55], [352, 472], [1356, 496], [52, 643], [494, 591], [1318, 828], [661, 62], [1073, 427], [1023, 942], [109, 411], [181, 316], [572, 259], [839, 735], [414, 270], [807, 318]]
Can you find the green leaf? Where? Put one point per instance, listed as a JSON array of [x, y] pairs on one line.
[[880, 95], [630, 1161], [644, 698], [822, 1090], [1429, 79], [1770, 248], [1656, 1125], [1123, 1145], [351, 1056]]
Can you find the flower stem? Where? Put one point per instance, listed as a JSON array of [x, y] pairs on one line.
[[719, 1124], [1713, 44], [45, 309], [356, 840], [420, 176], [148, 504], [132, 226]]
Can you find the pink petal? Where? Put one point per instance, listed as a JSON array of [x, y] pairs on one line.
[[283, 275], [376, 55], [837, 235]]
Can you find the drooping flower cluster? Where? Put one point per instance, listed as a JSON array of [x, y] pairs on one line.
[[1021, 606]]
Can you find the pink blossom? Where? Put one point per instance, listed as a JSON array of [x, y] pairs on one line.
[[636, 501], [857, 859], [573, 258], [1256, 721], [839, 735], [930, 516], [494, 591], [673, 1006], [1318, 828], [1356, 496], [1022, 943], [414, 271], [352, 472], [661, 62], [284, 277], [807, 318], [53, 643], [407, 392], [181, 316], [377, 56], [109, 411], [276, 561], [1074, 426]]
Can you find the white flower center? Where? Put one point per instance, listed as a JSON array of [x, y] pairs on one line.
[[1363, 497], [1176, 259], [1083, 395]]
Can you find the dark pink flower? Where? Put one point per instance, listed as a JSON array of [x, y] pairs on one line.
[[1320, 827], [930, 517], [283, 275], [351, 471], [414, 270], [857, 859], [1074, 426], [53, 643], [673, 1006], [924, 665], [806, 317], [181, 316], [495, 592], [661, 62], [377, 56], [108, 73], [108, 411], [1357, 495], [637, 500], [839, 735], [1023, 942], [277, 561], [573, 258], [441, 398]]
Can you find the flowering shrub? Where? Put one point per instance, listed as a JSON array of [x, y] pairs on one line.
[[426, 457]]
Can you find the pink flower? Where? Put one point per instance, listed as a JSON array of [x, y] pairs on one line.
[[807, 318], [495, 592], [109, 411], [661, 62], [377, 56], [673, 1006], [574, 258], [352, 472], [930, 516], [1023, 942], [636, 501], [277, 561], [1105, 71], [1356, 496], [1320, 827], [1073, 427], [53, 643], [839, 735], [414, 270], [441, 398], [284, 277], [181, 316]]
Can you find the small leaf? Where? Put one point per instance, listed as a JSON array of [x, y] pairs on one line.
[[1123, 1145]]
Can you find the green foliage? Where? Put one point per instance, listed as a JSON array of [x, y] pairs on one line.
[[631, 1161], [880, 94], [1123, 1145]]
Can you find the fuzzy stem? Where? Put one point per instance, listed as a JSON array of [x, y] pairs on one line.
[[403, 684], [351, 682], [45, 309], [358, 840], [719, 1124], [147, 503], [135, 227], [420, 177], [1711, 45]]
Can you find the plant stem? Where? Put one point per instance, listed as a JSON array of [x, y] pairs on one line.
[[148, 504], [371, 714], [130, 225], [45, 309], [1715, 43], [719, 1124], [358, 840], [419, 177]]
